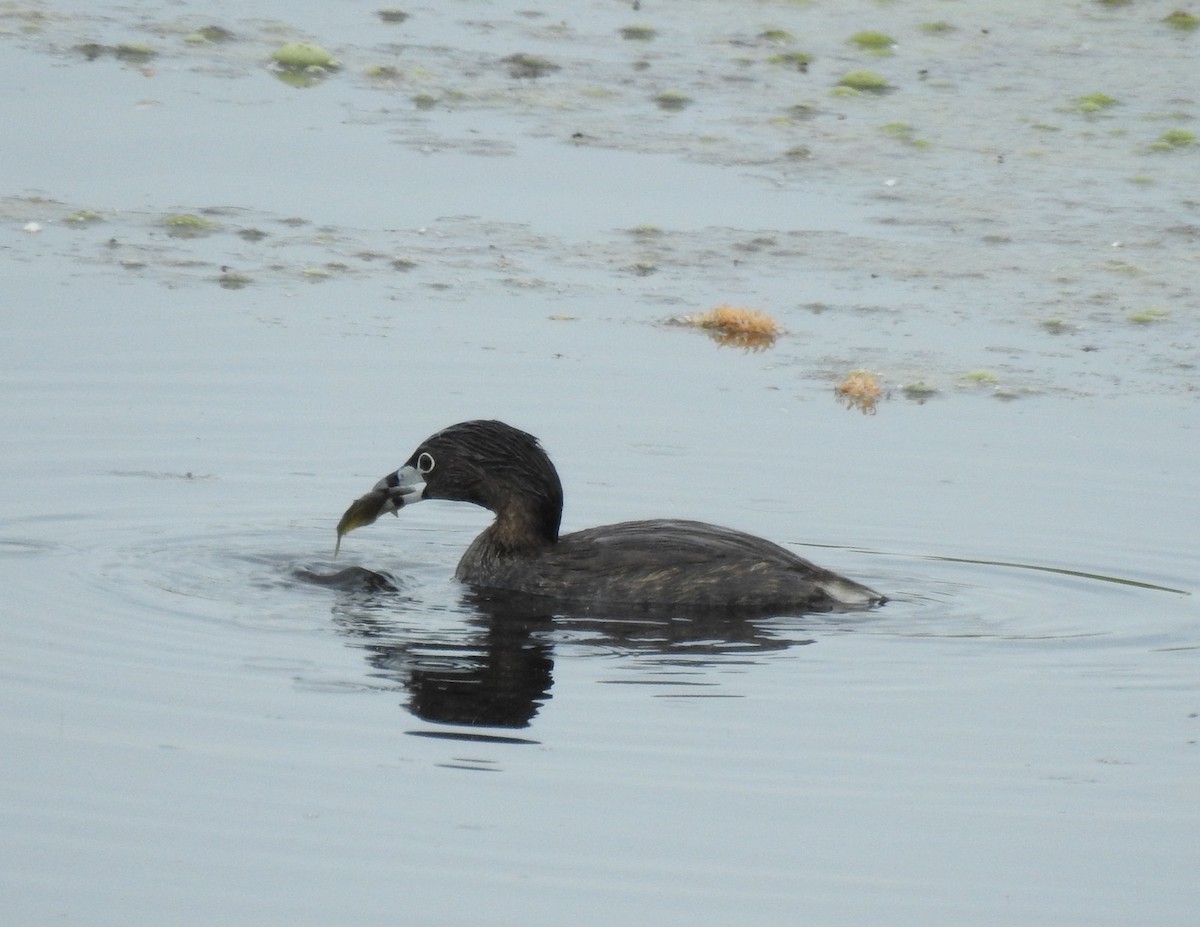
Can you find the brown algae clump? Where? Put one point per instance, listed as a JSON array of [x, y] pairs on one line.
[[528, 67], [865, 82], [209, 34], [751, 329], [638, 32], [672, 100], [392, 15], [860, 390], [919, 392], [232, 280]]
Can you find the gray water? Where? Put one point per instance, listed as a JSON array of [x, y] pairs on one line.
[[193, 734]]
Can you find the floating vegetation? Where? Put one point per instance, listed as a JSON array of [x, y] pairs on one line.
[[210, 34], [392, 15], [1095, 102], [91, 50], [879, 43], [134, 51], [304, 56], [672, 100], [302, 64], [252, 234], [941, 27], [860, 390], [903, 132], [1149, 316], [231, 280], [792, 59], [919, 391], [1056, 326], [865, 82], [1183, 20], [188, 225], [775, 35], [798, 153], [642, 268], [638, 32], [646, 231], [1173, 139], [530, 67], [750, 329], [403, 264], [83, 217], [383, 72], [425, 101], [981, 377]]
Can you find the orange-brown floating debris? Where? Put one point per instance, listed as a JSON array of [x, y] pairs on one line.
[[860, 390], [751, 329]]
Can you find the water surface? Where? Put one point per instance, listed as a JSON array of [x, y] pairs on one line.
[[193, 731]]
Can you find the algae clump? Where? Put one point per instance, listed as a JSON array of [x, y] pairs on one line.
[[209, 35], [188, 225], [672, 100], [521, 65], [865, 82], [638, 32], [792, 59], [1148, 316], [1094, 102], [1172, 139], [134, 51], [1181, 19], [300, 56], [878, 42]]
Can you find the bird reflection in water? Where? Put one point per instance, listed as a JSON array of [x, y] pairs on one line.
[[495, 666]]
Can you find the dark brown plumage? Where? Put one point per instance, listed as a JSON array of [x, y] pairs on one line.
[[660, 564]]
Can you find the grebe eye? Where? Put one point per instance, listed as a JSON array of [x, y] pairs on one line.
[[425, 463]]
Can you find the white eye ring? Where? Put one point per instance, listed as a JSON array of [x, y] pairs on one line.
[[425, 463]]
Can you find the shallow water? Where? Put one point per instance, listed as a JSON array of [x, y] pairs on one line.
[[193, 731]]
